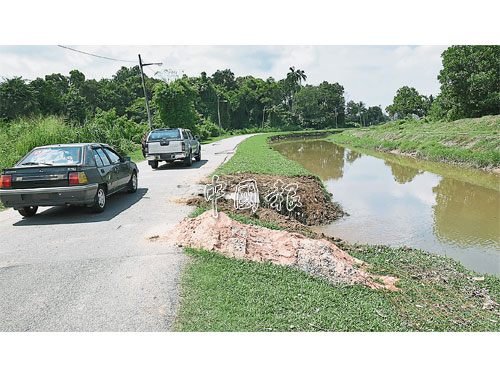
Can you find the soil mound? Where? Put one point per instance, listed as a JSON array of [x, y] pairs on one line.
[[316, 205], [254, 243]]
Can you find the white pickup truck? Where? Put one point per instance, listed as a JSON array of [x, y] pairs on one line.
[[170, 145]]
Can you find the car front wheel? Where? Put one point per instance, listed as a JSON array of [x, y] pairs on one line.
[[28, 211], [99, 200]]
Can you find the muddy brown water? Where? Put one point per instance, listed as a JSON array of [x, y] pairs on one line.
[[402, 201]]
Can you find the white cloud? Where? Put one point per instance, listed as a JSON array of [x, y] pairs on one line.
[[371, 74]]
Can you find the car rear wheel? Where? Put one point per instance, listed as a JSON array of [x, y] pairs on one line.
[[132, 184], [99, 200], [198, 156], [28, 211], [189, 160]]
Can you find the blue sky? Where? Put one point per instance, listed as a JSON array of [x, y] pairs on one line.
[[371, 74]]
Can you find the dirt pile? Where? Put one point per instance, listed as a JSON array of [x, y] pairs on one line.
[[254, 243], [316, 205]]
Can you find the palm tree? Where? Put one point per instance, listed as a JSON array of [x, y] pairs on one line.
[[294, 79]]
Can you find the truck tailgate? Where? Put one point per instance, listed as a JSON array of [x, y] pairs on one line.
[[164, 147]]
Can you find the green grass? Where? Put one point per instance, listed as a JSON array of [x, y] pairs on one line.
[[472, 142], [136, 155], [217, 138], [225, 294], [222, 294], [256, 155]]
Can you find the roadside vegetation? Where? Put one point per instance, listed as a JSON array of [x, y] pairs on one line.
[[473, 142], [225, 294], [256, 155]]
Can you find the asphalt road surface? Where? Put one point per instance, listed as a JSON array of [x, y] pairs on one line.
[[68, 270]]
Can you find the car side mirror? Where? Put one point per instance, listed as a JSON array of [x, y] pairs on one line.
[[127, 158]]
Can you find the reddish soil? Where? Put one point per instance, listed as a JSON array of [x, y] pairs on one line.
[[320, 258]]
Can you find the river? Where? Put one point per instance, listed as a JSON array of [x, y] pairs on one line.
[[402, 201]]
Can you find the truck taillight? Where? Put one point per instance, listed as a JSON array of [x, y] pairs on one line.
[[5, 181], [77, 178], [183, 146], [146, 148]]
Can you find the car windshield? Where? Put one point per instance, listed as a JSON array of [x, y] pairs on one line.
[[53, 156], [156, 135]]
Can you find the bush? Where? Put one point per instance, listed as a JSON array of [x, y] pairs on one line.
[[206, 129]]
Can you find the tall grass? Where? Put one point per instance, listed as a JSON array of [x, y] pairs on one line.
[[20, 136]]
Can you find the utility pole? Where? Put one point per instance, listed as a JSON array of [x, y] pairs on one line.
[[218, 112], [144, 87], [263, 112]]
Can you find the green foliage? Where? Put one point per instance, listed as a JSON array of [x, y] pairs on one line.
[[470, 81], [206, 129], [75, 106], [321, 106], [175, 102], [407, 102], [16, 99]]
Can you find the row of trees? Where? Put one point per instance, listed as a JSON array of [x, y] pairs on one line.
[[75, 97], [198, 103], [470, 87]]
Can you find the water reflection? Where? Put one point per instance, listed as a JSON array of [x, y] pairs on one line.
[[351, 156], [402, 174], [396, 200], [318, 157], [465, 214]]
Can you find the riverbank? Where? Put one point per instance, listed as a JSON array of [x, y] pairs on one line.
[[468, 142], [224, 294]]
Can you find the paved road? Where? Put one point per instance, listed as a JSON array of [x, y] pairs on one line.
[[68, 270]]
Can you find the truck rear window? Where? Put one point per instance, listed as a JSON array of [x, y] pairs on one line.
[[157, 135], [53, 156]]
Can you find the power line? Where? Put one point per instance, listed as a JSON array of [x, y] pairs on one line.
[[101, 57]]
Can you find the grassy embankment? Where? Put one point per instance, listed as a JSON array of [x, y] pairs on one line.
[[470, 142], [224, 294]]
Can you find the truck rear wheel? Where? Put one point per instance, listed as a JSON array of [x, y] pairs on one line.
[[189, 160], [153, 163]]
